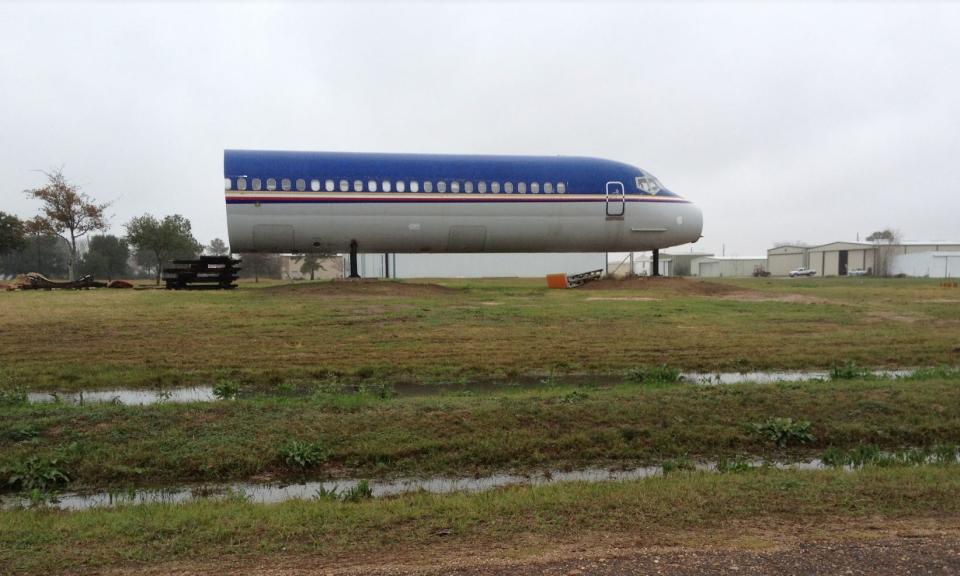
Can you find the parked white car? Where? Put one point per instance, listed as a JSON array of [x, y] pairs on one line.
[[803, 271], [857, 272]]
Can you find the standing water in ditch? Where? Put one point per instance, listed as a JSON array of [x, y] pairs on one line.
[[139, 397]]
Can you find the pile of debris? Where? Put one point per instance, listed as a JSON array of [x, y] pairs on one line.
[[36, 281]]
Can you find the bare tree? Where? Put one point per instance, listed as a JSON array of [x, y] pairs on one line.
[[883, 249], [67, 212]]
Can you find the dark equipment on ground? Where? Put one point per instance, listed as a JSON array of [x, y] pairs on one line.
[[206, 273], [36, 281]]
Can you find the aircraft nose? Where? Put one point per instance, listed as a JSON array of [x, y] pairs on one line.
[[692, 223]]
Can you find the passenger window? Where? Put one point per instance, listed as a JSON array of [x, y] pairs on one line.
[[468, 186], [522, 187], [358, 185], [561, 188], [441, 186], [271, 184], [256, 183], [455, 186], [371, 185], [495, 187], [226, 183], [482, 187], [315, 185], [534, 187], [285, 183], [344, 186], [427, 186], [301, 184], [241, 183], [385, 185], [548, 187], [401, 186], [328, 185], [414, 186], [508, 187]]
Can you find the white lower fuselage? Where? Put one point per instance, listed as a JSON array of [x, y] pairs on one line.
[[424, 222]]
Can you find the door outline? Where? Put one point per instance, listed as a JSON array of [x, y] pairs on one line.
[[615, 200]]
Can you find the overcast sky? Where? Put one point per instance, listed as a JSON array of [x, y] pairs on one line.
[[792, 121]]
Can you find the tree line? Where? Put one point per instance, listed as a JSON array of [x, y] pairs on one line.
[[68, 237]]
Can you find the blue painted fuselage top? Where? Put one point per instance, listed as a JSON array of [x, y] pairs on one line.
[[281, 176]]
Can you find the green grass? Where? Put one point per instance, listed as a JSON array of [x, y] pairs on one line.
[[41, 541], [500, 329], [368, 435]]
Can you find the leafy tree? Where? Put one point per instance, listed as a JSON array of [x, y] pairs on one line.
[[158, 241], [106, 257], [256, 265], [887, 235], [67, 212], [218, 247], [43, 253], [12, 233], [310, 263]]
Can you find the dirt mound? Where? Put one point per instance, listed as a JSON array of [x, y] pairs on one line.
[[371, 287], [686, 286]]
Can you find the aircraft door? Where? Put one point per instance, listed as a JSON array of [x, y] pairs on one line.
[[615, 200]]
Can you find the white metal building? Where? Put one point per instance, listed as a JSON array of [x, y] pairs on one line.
[[482, 265], [727, 266]]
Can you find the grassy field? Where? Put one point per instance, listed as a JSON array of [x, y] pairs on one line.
[[490, 329], [366, 435], [44, 541], [536, 380]]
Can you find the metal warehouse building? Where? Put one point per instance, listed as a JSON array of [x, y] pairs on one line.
[[726, 266], [933, 259]]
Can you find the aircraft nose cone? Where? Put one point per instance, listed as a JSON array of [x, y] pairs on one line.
[[692, 223]]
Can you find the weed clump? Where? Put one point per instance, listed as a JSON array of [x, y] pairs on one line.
[[784, 431], [661, 374], [573, 397], [303, 455], [848, 371], [36, 474], [732, 465], [226, 389], [360, 491], [682, 464], [13, 398]]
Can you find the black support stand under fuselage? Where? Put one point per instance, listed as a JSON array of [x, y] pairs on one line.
[[353, 260], [656, 262]]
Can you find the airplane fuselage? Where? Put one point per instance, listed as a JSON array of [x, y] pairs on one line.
[[407, 203]]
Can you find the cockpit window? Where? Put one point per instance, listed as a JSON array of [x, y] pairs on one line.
[[648, 184]]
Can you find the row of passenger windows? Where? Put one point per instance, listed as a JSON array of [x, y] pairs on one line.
[[398, 185]]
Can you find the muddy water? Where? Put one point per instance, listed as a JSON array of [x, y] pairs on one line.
[[134, 397], [274, 493], [129, 397]]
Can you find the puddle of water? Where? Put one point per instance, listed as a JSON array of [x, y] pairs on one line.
[[205, 393], [262, 493], [275, 493], [127, 397]]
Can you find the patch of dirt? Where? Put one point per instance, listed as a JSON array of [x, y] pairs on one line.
[[362, 288], [895, 317], [684, 286], [764, 297], [622, 299], [843, 546]]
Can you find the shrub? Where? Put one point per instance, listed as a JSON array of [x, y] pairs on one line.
[[735, 464], [303, 455], [784, 431], [682, 464]]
